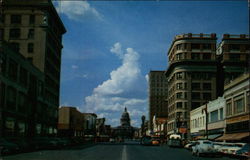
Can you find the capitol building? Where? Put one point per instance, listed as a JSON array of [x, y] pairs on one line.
[[125, 130]]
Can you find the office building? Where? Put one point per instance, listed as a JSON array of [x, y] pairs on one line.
[[157, 96]]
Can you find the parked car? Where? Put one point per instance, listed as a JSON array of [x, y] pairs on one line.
[[244, 152], [218, 146], [7, 147], [230, 148], [189, 145], [21, 142], [147, 140], [203, 147], [61, 142], [42, 143], [112, 140], [155, 141]]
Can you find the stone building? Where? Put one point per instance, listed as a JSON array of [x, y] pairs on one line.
[[191, 76]]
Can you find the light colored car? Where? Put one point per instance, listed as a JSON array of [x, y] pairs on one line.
[[231, 148], [218, 146], [236, 147], [203, 147]]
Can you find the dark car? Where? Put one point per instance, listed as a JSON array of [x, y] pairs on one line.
[[146, 140], [21, 142], [7, 147], [42, 143], [244, 152]]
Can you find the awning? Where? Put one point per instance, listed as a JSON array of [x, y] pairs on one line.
[[214, 136], [233, 136]]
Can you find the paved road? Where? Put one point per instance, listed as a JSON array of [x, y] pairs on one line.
[[112, 152]]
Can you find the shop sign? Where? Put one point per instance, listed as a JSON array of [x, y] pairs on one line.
[[183, 130]]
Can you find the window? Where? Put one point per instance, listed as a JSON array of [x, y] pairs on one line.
[[21, 101], [195, 56], [14, 33], [15, 19], [196, 86], [196, 95], [2, 18], [179, 95], [2, 95], [214, 116], [179, 86], [179, 104], [206, 56], [30, 47], [31, 34], [234, 47], [11, 98], [32, 19], [234, 57], [178, 46], [239, 104], [229, 108], [207, 96], [15, 46], [1, 34], [179, 56], [179, 75], [23, 78], [206, 46], [195, 46], [221, 114], [3, 66], [12, 70], [207, 86]]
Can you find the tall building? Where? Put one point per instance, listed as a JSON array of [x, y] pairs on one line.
[[191, 76], [233, 56], [157, 96], [34, 29]]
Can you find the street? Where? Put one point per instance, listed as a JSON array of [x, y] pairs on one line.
[[108, 151]]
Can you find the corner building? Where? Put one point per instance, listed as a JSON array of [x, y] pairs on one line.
[[191, 78], [34, 29]]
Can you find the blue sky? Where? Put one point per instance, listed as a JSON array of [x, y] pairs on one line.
[[110, 47]]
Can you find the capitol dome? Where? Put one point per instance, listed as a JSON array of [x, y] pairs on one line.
[[125, 120]]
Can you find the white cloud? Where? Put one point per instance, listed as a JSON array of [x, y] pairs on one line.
[[74, 67], [109, 98], [77, 10], [117, 49]]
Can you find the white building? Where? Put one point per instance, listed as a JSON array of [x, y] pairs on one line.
[[216, 117], [198, 122]]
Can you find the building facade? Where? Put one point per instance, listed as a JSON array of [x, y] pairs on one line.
[[70, 122], [191, 76], [24, 110], [90, 123], [237, 98], [198, 122], [233, 54], [157, 96], [34, 29], [216, 118]]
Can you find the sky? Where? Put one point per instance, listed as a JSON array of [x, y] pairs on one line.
[[111, 46]]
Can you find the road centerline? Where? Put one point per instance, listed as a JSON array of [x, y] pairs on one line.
[[124, 153]]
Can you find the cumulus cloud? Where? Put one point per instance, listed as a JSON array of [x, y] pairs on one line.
[[77, 10], [110, 97]]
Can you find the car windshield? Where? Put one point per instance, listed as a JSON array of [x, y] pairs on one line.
[[207, 142]]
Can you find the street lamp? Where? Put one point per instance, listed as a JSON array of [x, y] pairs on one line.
[[205, 110]]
